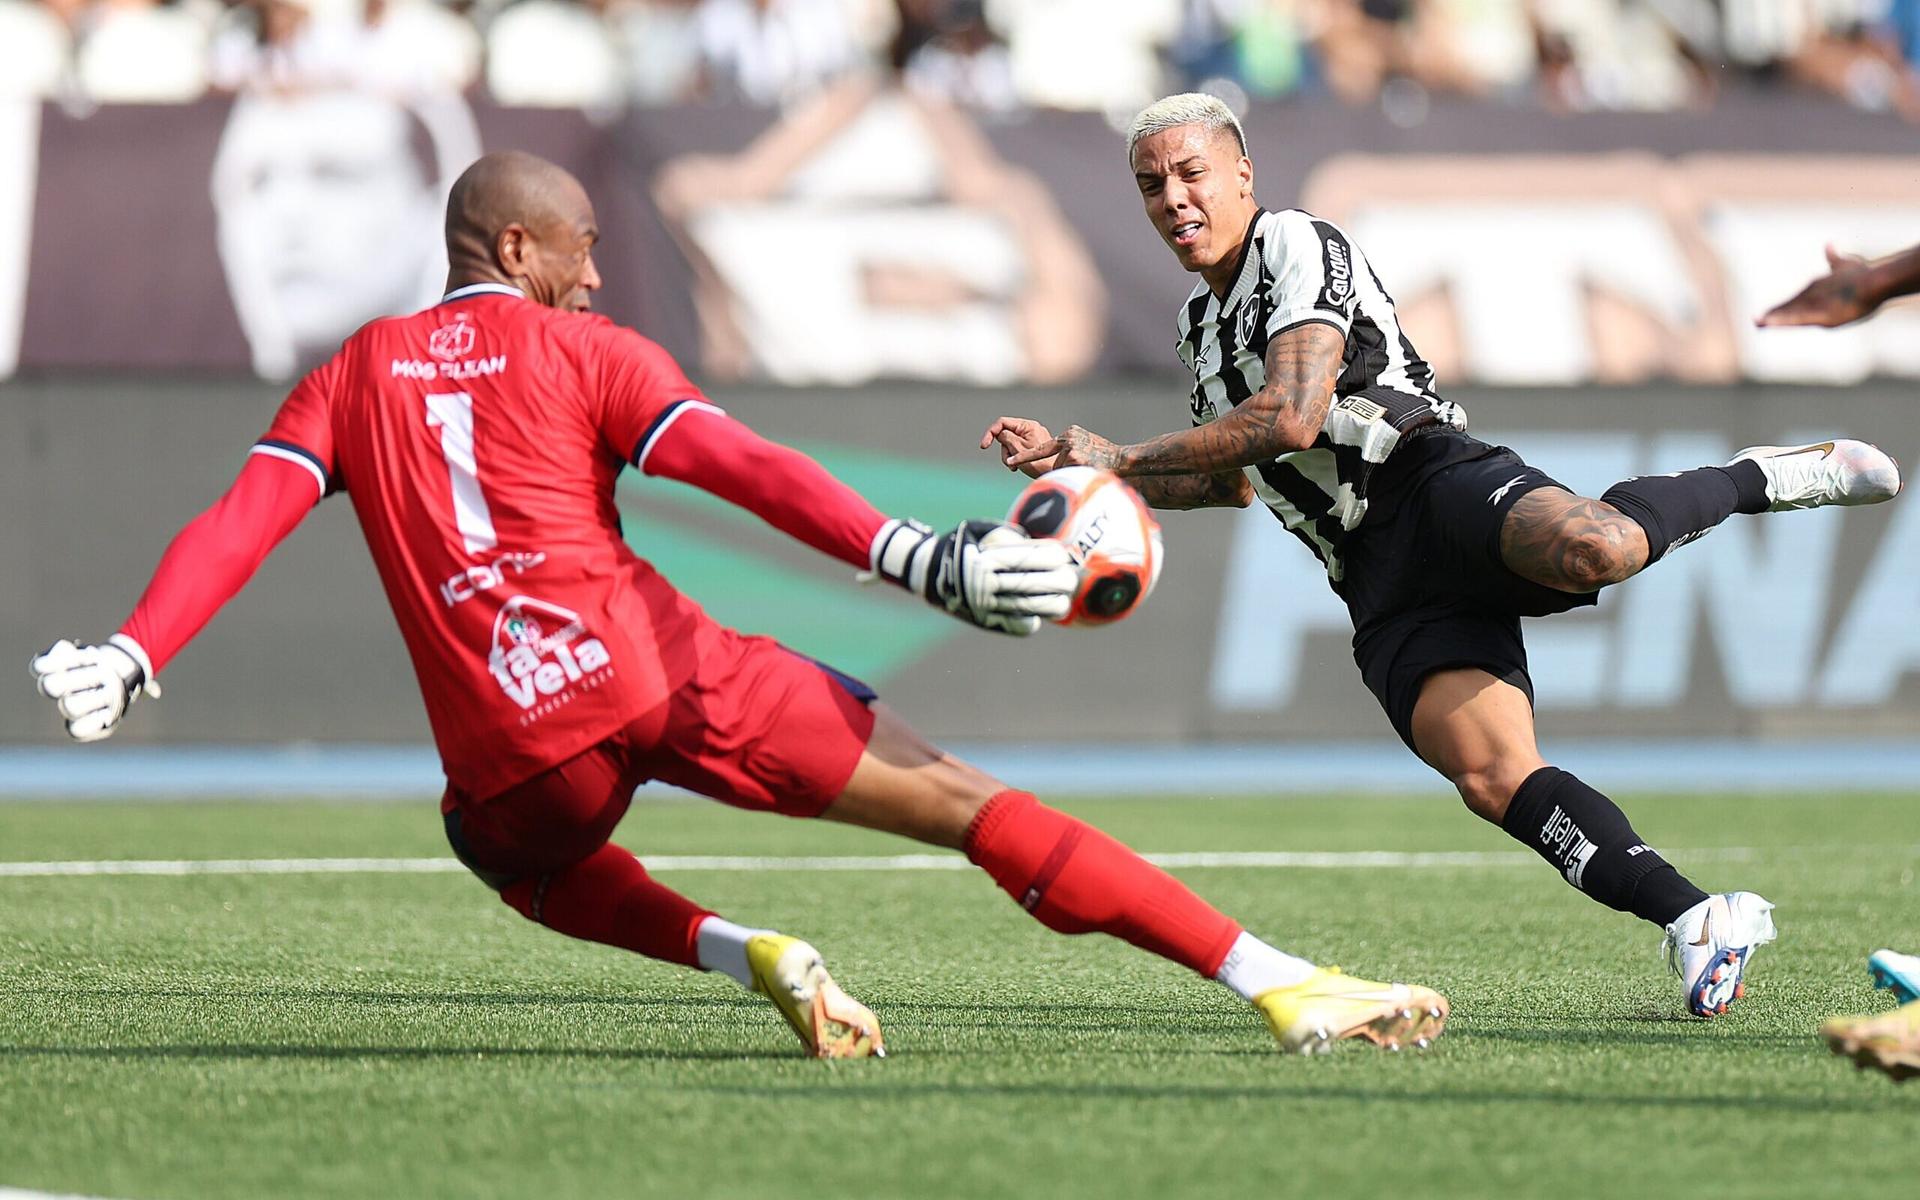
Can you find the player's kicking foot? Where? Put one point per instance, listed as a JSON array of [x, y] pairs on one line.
[[1841, 471], [1312, 1015], [1889, 1042], [1711, 945], [1898, 973], [831, 1024]]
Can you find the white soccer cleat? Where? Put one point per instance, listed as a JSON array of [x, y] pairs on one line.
[[1711, 945], [831, 1024], [1841, 471]]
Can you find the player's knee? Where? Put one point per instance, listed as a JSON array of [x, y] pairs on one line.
[[524, 896], [906, 785], [1482, 796], [1487, 789], [499, 881], [959, 793], [932, 801]]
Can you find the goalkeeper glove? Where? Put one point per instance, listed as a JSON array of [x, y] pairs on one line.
[[94, 685], [983, 572]]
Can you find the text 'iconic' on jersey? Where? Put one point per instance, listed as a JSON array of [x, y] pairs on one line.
[[1295, 269]]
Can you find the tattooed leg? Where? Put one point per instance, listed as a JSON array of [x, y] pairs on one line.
[[1570, 543]]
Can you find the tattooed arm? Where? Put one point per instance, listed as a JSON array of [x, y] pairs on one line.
[[1228, 489], [1303, 364]]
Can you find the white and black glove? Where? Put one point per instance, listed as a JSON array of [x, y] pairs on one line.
[[94, 685], [980, 571]]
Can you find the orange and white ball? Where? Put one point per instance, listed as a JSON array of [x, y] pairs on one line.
[[1109, 531]]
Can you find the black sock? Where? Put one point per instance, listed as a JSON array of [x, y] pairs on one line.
[[1675, 509], [1587, 839]]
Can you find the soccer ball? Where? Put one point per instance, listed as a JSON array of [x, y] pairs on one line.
[[1108, 530]]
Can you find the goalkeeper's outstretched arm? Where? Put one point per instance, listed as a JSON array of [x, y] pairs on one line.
[[988, 574], [204, 566]]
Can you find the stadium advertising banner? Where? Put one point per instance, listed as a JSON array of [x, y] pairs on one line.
[[1794, 624], [868, 235]]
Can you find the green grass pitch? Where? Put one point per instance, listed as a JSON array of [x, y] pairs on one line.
[[395, 1035]]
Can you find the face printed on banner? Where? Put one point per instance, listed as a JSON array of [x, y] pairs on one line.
[[1198, 191], [328, 217], [871, 234]]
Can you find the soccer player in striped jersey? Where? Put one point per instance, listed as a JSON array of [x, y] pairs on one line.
[[479, 441], [1309, 397]]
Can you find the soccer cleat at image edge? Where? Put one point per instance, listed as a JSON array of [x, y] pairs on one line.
[[1898, 973], [1889, 1042]]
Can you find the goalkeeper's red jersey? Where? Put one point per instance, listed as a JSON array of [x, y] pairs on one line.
[[479, 441]]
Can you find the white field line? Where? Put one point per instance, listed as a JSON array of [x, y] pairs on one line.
[[7, 1193], [1269, 859]]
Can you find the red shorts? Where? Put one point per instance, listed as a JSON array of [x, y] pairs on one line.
[[758, 726]]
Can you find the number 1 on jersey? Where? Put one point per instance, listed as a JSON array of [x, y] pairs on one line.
[[452, 414]]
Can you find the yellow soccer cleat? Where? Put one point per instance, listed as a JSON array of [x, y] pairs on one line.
[[1889, 1042], [831, 1024], [1312, 1015]]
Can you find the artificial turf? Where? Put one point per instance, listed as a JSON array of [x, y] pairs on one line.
[[407, 1035]]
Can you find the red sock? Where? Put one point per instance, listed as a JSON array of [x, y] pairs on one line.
[[1075, 879], [609, 897]]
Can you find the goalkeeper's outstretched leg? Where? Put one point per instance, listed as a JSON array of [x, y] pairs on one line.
[[760, 727], [1075, 879]]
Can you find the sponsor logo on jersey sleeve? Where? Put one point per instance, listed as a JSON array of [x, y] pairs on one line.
[[542, 656], [1500, 493], [1337, 260]]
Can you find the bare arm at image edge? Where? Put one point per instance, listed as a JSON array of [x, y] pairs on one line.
[[1853, 288]]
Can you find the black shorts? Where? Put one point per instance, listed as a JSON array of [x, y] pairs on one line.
[[1424, 582]]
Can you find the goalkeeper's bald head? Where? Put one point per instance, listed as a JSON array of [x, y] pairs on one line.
[[516, 218]]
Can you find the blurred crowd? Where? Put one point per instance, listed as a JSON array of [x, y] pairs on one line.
[[996, 56]]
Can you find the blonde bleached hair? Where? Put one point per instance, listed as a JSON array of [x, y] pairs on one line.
[[1187, 108]]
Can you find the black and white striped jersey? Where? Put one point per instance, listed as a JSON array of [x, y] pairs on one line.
[[1297, 268]]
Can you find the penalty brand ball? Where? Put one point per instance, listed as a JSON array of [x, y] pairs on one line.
[[1108, 530]]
